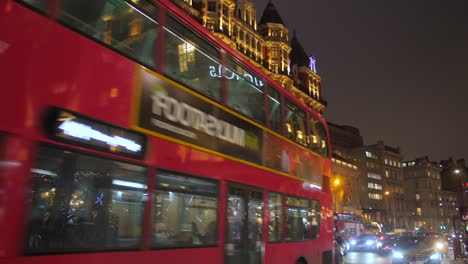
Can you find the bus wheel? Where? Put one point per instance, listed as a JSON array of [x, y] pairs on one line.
[[301, 261]]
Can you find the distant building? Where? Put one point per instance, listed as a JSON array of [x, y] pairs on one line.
[[424, 194], [345, 138], [346, 187], [381, 185], [345, 170], [449, 211], [454, 178]]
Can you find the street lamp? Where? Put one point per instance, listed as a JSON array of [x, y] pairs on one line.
[[336, 182], [387, 193]]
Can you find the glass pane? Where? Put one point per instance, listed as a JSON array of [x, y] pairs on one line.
[[82, 202], [175, 181], [130, 29], [314, 219], [235, 222], [243, 241], [254, 228], [274, 104], [184, 219], [275, 216], [295, 123], [294, 201], [245, 92], [297, 216], [39, 4], [191, 61], [318, 138]]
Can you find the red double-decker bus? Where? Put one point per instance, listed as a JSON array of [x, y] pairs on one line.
[[349, 225], [130, 134]]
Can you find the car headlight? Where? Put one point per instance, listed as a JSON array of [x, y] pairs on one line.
[[435, 256], [439, 245], [353, 242], [379, 244], [397, 255], [369, 242]]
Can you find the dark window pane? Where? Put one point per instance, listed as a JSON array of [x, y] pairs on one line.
[[84, 203], [318, 137], [39, 4], [245, 92], [295, 123], [185, 211], [302, 219], [212, 6], [173, 181], [191, 61], [274, 103], [128, 28]]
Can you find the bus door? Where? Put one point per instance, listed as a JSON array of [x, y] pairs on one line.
[[243, 242]]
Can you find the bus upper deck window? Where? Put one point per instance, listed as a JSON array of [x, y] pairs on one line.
[[190, 60], [245, 91], [128, 27]]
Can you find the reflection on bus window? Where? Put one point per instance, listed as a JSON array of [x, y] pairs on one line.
[[188, 63], [84, 203], [295, 123], [245, 92], [275, 217], [274, 105], [318, 137], [185, 211], [302, 219], [130, 29]]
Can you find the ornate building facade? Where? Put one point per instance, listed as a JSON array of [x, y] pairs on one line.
[[266, 44]]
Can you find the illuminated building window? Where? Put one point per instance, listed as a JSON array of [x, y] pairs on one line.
[[375, 196], [371, 155], [374, 175], [418, 197], [295, 123], [274, 52], [376, 186], [314, 139], [186, 56], [418, 211]]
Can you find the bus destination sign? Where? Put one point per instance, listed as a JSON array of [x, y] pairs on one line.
[[69, 127]]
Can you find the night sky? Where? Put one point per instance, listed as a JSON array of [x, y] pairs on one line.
[[396, 69]]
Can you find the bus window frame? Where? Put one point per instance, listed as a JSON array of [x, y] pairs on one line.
[[95, 154], [217, 182]]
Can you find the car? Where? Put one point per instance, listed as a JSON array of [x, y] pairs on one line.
[[438, 241], [440, 245], [366, 242], [387, 243], [415, 249]]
